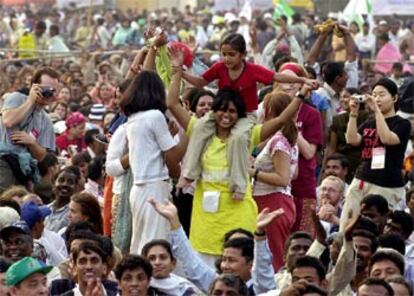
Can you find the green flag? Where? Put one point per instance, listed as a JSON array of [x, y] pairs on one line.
[[282, 8]]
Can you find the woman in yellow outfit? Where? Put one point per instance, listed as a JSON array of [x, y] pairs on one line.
[[214, 210]]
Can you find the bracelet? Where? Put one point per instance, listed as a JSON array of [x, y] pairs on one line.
[[259, 233], [353, 115]]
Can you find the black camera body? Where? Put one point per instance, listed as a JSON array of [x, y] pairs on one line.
[[48, 92]]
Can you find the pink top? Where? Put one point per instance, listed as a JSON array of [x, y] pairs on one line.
[[264, 162]]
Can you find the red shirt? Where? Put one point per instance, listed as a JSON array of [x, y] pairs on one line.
[[309, 123], [246, 84], [63, 142]]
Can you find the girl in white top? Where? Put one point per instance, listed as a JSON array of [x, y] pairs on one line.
[[274, 168], [159, 254], [152, 154]]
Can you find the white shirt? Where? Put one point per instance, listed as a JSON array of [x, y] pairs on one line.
[[55, 247], [116, 149], [148, 137], [365, 42]]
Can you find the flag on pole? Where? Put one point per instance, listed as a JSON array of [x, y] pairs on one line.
[[282, 8]]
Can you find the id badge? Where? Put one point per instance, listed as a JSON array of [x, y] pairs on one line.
[[378, 158], [211, 201]]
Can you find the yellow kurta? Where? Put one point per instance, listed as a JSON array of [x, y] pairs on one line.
[[208, 229]]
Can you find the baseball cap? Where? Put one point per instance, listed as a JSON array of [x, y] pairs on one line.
[[32, 213], [19, 226], [24, 268], [7, 216]]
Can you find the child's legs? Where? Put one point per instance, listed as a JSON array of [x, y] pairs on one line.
[[356, 191], [238, 152], [203, 130]]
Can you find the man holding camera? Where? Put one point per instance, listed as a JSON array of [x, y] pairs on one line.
[[26, 127]]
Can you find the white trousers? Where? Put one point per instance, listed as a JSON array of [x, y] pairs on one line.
[[147, 224]]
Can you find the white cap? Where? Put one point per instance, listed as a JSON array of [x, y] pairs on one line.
[[8, 216], [267, 15], [383, 23], [59, 127]]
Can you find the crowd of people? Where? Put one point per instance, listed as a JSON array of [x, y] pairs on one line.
[[197, 152]]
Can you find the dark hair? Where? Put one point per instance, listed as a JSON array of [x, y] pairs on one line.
[[384, 37], [244, 244], [81, 157], [48, 161], [236, 42], [145, 92], [232, 281], [95, 168], [390, 255], [297, 235], [397, 66], [90, 136], [54, 30], [90, 208], [405, 220], [40, 25], [388, 84], [4, 264], [309, 261], [378, 282], [275, 103], [230, 233], [397, 279], [73, 170], [377, 201], [155, 243], [223, 99], [132, 262], [196, 97], [311, 72], [124, 85], [368, 235], [392, 241], [352, 90], [75, 231], [313, 289], [332, 71], [367, 224], [88, 247], [44, 71], [340, 157]]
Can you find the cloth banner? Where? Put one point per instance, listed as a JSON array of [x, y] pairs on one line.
[[390, 7]]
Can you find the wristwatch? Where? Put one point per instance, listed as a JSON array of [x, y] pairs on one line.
[[300, 96]]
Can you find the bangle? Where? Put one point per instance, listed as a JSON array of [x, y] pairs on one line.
[[259, 233], [353, 115]]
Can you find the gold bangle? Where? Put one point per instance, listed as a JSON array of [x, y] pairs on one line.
[[353, 115]]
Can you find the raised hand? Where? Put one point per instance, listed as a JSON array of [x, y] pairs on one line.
[[176, 57], [168, 210], [160, 39], [353, 105], [312, 83], [266, 217], [94, 288], [149, 33]]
